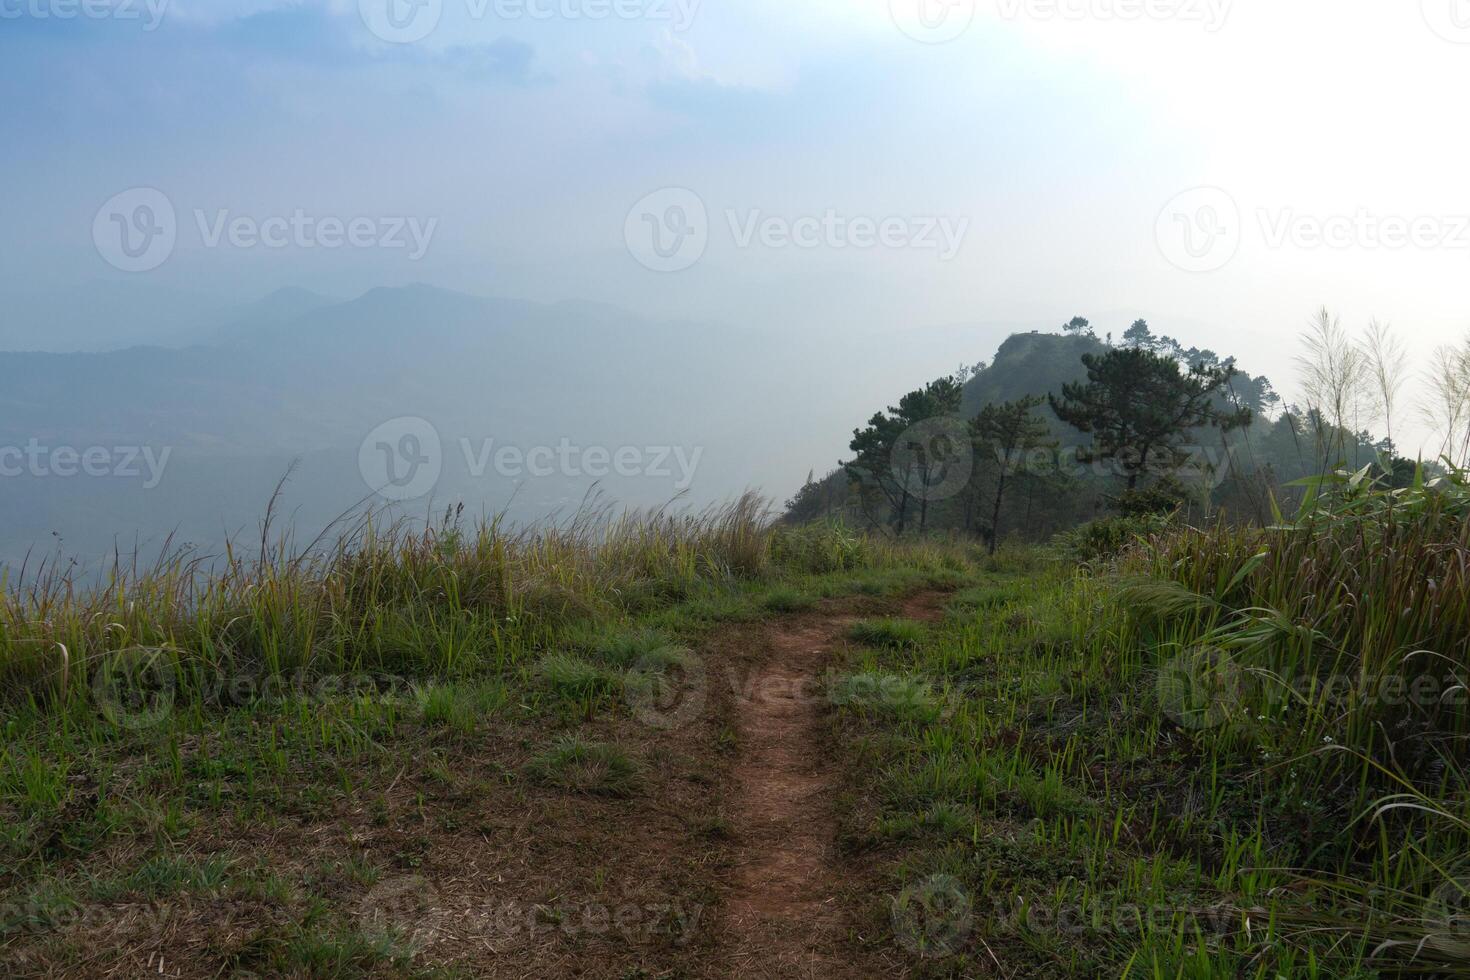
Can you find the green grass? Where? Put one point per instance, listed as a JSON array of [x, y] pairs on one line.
[[634, 649], [891, 695], [363, 702], [574, 679], [892, 633], [784, 599], [167, 875], [979, 598], [447, 600], [461, 705], [572, 763], [1204, 758], [331, 951]]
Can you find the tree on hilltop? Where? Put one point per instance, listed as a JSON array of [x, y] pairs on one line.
[[908, 453], [1009, 433], [1140, 406]]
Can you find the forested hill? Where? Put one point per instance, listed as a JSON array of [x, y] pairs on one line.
[[1038, 363], [1028, 364], [1236, 469]]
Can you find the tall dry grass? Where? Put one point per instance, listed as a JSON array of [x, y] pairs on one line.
[[1345, 632], [381, 596]]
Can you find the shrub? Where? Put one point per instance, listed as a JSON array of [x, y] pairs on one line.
[[819, 548], [1165, 496], [1109, 537]]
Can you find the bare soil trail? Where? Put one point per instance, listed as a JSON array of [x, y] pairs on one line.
[[789, 910]]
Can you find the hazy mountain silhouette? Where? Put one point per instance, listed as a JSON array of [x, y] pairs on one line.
[[300, 377], [280, 307]]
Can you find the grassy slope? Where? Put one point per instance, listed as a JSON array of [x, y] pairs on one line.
[[1047, 781], [479, 771], [1234, 754]]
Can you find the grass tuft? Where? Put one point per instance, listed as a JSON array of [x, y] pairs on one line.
[[895, 634], [461, 705], [599, 768], [908, 699], [641, 649], [784, 599], [574, 679]]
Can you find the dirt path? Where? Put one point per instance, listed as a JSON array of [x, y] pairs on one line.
[[783, 912], [786, 916]]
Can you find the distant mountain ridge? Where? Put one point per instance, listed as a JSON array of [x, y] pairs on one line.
[[306, 378]]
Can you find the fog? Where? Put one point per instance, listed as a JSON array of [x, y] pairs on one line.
[[667, 249]]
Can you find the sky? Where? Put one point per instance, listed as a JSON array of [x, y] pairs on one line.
[[1223, 169]]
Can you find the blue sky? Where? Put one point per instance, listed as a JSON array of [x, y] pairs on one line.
[[1059, 135]]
